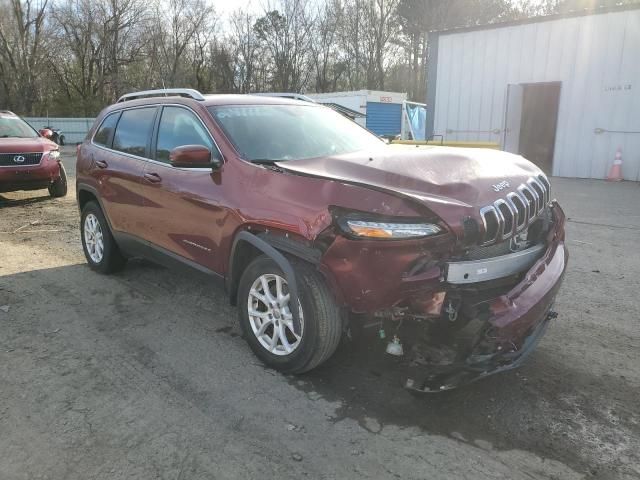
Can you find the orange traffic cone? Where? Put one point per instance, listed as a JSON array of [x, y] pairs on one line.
[[615, 173]]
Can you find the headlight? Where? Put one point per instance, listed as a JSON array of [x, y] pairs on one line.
[[363, 228], [54, 154]]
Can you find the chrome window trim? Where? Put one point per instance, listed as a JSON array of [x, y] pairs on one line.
[[150, 160], [155, 105]]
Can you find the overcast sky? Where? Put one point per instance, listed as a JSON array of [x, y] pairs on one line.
[[225, 7]]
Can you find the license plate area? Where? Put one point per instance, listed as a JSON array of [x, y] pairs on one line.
[[475, 271]]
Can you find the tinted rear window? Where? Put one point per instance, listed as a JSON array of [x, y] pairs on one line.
[[103, 135], [134, 131]]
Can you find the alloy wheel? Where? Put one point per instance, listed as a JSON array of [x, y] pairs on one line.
[[93, 238], [270, 315]]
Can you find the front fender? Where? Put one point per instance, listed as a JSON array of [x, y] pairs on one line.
[[276, 256]]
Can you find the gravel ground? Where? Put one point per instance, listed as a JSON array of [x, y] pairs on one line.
[[144, 374]]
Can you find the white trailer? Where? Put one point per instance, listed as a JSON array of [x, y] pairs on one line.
[[382, 110]]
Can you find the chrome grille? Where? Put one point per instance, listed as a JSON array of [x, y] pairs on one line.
[[8, 159], [512, 214]]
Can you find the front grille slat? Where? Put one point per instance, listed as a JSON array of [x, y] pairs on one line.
[[8, 159], [507, 217], [510, 215], [537, 187], [537, 203]]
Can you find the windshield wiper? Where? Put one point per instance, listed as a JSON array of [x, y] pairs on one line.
[[268, 163], [264, 161]]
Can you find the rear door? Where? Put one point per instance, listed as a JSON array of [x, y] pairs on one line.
[[184, 213], [118, 163]]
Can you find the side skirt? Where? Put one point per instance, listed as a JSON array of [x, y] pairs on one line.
[[133, 246]]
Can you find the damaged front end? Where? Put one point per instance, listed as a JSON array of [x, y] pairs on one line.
[[456, 315]]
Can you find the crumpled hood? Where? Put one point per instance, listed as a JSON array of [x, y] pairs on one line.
[[459, 175], [450, 181]]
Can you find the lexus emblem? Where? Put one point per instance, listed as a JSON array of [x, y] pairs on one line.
[[18, 159], [500, 186]]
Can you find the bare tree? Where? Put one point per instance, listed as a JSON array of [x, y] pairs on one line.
[[285, 32], [23, 52], [325, 51], [177, 26], [246, 48], [76, 56], [93, 45]]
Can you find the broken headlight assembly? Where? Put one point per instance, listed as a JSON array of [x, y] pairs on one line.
[[362, 226]]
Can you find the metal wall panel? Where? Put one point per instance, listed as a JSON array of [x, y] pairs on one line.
[[384, 118], [597, 59]]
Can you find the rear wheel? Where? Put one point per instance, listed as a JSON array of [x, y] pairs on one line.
[[266, 318], [59, 187], [100, 249]]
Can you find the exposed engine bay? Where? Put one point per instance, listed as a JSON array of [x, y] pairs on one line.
[[453, 335]]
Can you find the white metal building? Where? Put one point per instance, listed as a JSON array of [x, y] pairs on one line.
[[382, 110], [562, 90]]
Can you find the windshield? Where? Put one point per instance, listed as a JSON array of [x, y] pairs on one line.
[[291, 132], [11, 126]]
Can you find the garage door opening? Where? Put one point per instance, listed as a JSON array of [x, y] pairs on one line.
[[531, 121]]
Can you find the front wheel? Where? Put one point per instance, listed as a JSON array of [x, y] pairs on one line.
[[265, 315], [100, 249], [59, 187]]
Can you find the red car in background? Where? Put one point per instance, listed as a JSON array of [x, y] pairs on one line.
[[28, 159]]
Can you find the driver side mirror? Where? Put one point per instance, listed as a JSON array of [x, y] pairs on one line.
[[45, 132], [193, 156]]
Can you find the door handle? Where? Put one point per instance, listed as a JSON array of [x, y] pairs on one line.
[[152, 177], [101, 164]]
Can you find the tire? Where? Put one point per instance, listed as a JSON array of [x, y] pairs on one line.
[[321, 317], [59, 187], [93, 228]]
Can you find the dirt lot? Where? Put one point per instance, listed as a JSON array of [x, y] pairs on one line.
[[144, 374]]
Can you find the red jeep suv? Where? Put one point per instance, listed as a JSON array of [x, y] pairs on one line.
[[28, 160], [318, 228]]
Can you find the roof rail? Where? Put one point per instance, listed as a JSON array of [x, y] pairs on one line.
[[295, 96], [164, 92]]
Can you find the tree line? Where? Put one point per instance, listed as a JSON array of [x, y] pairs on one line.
[[73, 57]]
